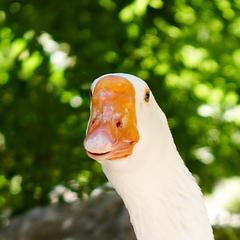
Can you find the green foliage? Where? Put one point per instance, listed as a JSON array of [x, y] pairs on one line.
[[50, 51]]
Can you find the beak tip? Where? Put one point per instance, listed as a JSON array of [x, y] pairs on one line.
[[98, 143]]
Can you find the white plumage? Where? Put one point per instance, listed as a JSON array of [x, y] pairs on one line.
[[161, 195]]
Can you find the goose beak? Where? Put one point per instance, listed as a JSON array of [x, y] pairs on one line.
[[112, 131]]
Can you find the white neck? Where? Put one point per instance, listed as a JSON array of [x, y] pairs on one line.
[[161, 195]]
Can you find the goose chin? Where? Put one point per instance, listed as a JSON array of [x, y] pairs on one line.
[[119, 152]]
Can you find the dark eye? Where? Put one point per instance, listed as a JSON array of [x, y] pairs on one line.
[[90, 93], [147, 96]]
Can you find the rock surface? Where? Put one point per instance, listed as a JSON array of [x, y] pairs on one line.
[[103, 217]]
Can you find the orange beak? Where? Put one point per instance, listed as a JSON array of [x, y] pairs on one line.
[[112, 131]]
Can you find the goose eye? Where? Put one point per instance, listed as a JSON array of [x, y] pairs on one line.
[[90, 93], [147, 96]]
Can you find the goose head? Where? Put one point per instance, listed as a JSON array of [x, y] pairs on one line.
[[123, 121]]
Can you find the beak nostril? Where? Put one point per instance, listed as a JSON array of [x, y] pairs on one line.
[[118, 124], [93, 121]]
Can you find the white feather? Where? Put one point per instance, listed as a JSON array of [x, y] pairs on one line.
[[161, 195]]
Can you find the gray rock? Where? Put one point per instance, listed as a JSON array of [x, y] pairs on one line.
[[103, 217]]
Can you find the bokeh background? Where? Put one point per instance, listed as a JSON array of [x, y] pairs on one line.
[[188, 51]]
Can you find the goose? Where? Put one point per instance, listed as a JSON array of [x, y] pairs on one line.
[[128, 134]]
